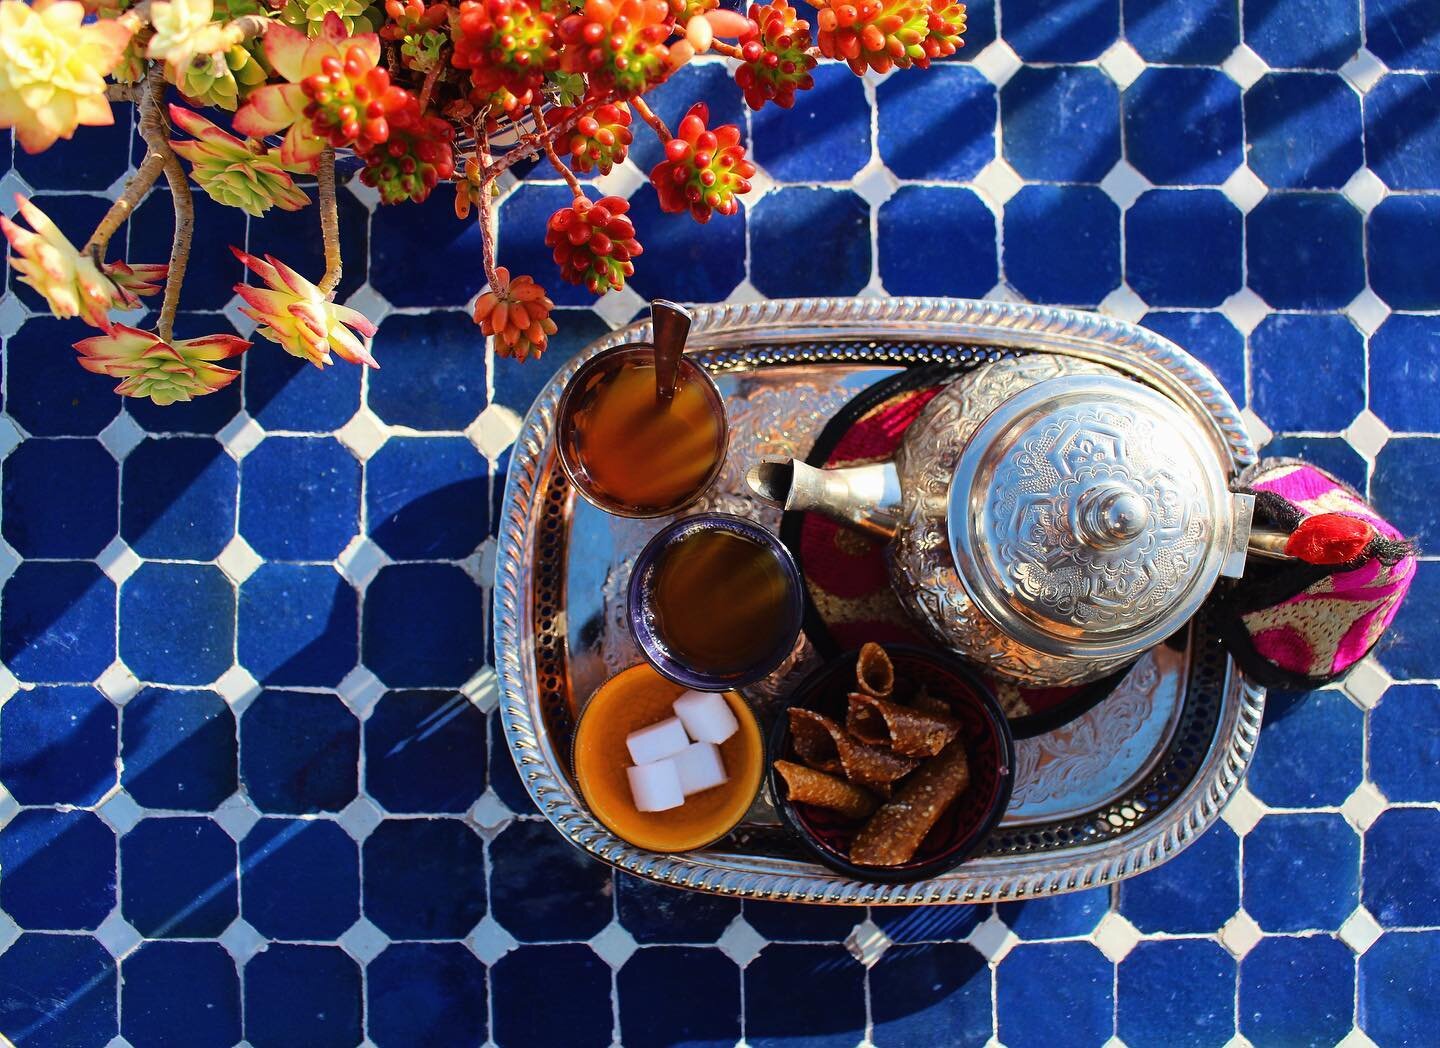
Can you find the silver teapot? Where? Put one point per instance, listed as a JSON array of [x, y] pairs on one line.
[[1048, 517]]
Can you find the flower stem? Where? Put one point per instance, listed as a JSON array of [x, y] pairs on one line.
[[329, 224], [484, 210], [135, 188], [648, 115], [720, 47], [156, 132], [529, 145], [549, 146]]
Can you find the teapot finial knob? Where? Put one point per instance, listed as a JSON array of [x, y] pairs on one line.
[[1111, 515]]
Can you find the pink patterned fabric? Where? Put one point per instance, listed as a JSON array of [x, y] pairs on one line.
[[1324, 630]]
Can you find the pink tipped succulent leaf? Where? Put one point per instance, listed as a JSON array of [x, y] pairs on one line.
[[163, 372], [294, 313], [70, 282], [135, 281], [230, 171]]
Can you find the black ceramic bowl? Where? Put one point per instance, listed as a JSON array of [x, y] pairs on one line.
[[989, 747]]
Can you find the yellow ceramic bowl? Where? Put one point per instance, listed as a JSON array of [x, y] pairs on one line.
[[634, 699]]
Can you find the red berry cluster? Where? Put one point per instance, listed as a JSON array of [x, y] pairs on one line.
[[776, 59], [350, 101], [594, 243], [507, 45], [600, 139], [416, 157], [703, 170], [516, 316], [618, 44], [886, 34]]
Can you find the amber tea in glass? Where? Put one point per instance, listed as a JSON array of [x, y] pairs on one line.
[[628, 452]]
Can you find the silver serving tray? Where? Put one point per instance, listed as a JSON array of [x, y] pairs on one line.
[[1120, 789]]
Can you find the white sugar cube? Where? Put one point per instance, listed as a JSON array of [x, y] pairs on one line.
[[700, 767], [707, 716], [663, 739], [656, 786]]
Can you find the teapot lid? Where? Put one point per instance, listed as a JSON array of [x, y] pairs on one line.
[[1089, 516]]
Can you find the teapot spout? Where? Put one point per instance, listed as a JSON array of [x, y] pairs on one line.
[[865, 497]]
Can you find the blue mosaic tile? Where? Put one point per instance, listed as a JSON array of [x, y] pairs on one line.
[[286, 393], [1183, 33], [938, 125], [1407, 649], [1158, 982], [427, 498], [430, 993], [504, 779], [1399, 499], [299, 879], [1404, 251], [1401, 849], [1310, 750], [1331, 453], [659, 1005], [290, 236], [212, 274], [915, 262], [804, 995], [46, 391], [1334, 355], [1301, 872], [1183, 247], [1394, 1007], [710, 83], [979, 30], [914, 924], [1183, 126], [59, 992], [177, 623], [1303, 130], [47, 609], [825, 137], [685, 261], [313, 520], [1303, 34], [1404, 367], [1305, 250], [177, 878], [74, 519], [1070, 32], [543, 888], [178, 749], [92, 160], [1072, 914], [653, 913], [1197, 891], [521, 248], [446, 273], [918, 990], [59, 870], [180, 498], [439, 381], [1404, 743], [298, 752], [1297, 990], [297, 625], [421, 626], [1030, 1001], [425, 752], [1402, 131], [806, 241], [1078, 105], [326, 1015], [57, 745], [1212, 339], [517, 385], [425, 878], [792, 922], [1403, 35], [524, 978], [180, 995], [1062, 244]]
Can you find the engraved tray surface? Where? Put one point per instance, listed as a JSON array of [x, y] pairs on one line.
[[1119, 789]]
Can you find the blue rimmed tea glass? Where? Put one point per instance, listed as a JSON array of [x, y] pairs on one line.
[[644, 620]]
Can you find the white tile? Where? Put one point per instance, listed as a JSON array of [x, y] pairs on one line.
[[119, 810], [237, 816], [483, 689], [490, 812], [1367, 434], [1360, 930], [1364, 70], [243, 323], [9, 560], [489, 941], [117, 935], [118, 1042], [875, 183], [369, 196], [1122, 64], [117, 683], [741, 942], [993, 938], [1125, 304], [1365, 190], [8, 684], [241, 940], [1244, 189], [1363, 806], [238, 688], [360, 690], [9, 931], [238, 560], [494, 430], [1244, 67], [1242, 811], [997, 63], [12, 314], [1115, 936], [744, 293], [371, 303], [622, 181], [1260, 433], [614, 945], [998, 181], [360, 560], [1368, 311], [118, 560], [10, 435], [364, 434], [122, 435], [1366, 683], [867, 942], [364, 941], [1240, 934], [241, 436], [1245, 310], [360, 817], [1124, 184], [617, 308], [1356, 1038], [10, 184], [9, 807]]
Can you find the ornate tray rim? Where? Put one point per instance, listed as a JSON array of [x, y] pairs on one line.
[[1146, 355]]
